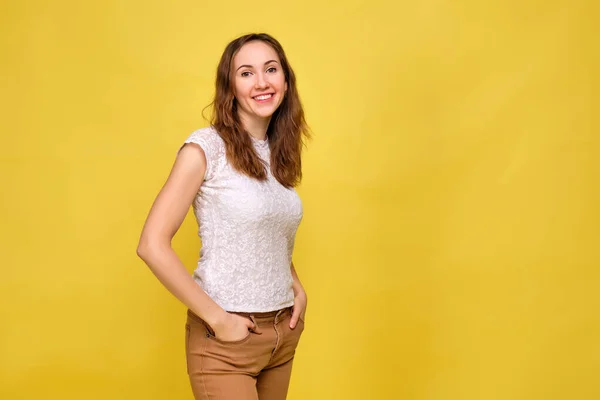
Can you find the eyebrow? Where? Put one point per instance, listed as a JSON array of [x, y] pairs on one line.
[[250, 66]]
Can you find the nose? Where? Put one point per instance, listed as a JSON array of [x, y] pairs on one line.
[[260, 82]]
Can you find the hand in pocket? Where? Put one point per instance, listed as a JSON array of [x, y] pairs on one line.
[[233, 328]]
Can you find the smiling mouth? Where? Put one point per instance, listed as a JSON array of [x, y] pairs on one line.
[[263, 97]]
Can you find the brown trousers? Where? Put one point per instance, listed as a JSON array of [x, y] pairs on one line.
[[257, 367]]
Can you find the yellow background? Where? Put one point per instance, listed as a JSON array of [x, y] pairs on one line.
[[450, 241]]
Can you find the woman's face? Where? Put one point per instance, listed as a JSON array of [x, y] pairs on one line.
[[259, 81]]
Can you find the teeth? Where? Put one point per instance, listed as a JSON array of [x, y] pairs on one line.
[[263, 97]]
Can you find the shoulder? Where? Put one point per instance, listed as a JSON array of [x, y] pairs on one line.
[[207, 135], [212, 145], [208, 132], [209, 140]]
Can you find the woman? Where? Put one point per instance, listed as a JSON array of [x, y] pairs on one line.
[[245, 302]]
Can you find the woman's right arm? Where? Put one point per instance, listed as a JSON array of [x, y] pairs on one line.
[[163, 221]]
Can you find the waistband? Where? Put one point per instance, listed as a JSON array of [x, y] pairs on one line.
[[259, 316], [264, 315]]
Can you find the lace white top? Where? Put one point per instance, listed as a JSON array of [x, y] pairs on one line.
[[247, 228]]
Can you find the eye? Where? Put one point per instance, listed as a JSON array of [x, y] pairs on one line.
[[245, 74], [272, 69]]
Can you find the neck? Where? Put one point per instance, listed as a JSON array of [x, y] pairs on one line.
[[256, 127]]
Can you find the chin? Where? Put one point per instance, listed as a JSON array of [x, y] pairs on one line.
[[265, 114]]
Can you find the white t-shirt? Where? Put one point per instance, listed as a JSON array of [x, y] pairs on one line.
[[247, 228]]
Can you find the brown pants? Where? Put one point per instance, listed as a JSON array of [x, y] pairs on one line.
[[257, 367]]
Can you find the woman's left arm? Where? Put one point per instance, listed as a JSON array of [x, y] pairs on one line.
[[299, 299]]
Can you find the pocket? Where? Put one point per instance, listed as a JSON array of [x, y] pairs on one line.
[[301, 324], [212, 336]]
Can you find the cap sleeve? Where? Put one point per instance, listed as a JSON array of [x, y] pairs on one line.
[[210, 142]]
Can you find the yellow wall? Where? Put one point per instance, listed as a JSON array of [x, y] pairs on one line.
[[450, 240]]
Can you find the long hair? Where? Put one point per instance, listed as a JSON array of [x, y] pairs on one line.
[[286, 131]]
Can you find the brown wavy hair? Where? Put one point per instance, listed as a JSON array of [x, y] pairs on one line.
[[286, 131]]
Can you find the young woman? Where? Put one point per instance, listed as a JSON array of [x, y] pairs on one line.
[[245, 302]]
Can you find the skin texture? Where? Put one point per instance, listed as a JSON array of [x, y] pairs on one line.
[[259, 73]]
